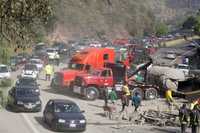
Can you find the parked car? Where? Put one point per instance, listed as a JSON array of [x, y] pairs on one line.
[[4, 71], [37, 62], [40, 48], [25, 96], [61, 48], [30, 71], [64, 115], [51, 52]]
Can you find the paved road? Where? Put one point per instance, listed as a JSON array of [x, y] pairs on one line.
[[32, 122]]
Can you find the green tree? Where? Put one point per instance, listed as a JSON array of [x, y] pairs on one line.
[[18, 19], [161, 29]]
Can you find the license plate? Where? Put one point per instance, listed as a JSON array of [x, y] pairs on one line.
[[72, 125], [77, 89], [29, 106]]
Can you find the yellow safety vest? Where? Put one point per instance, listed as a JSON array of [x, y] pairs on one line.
[[49, 69], [168, 96], [126, 89], [193, 104]]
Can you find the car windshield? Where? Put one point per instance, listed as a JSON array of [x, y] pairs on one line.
[[66, 108], [26, 92], [50, 51], [3, 69], [76, 66], [30, 67], [26, 81], [39, 47], [95, 73]]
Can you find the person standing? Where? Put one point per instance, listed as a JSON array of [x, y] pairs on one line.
[[169, 98], [125, 103], [126, 90], [48, 71], [113, 96], [184, 118], [195, 119], [125, 100], [136, 101]]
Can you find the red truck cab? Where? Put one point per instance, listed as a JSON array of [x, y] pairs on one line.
[[92, 85], [81, 63]]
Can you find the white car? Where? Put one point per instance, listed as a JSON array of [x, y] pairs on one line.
[[37, 62], [4, 71], [30, 71], [52, 53]]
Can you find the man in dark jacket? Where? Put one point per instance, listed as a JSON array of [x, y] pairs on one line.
[[183, 117], [125, 103], [136, 101], [195, 119]]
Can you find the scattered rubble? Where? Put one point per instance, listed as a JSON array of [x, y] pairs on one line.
[[157, 118]]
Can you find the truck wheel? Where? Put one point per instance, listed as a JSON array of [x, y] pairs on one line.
[[139, 91], [151, 94], [92, 93]]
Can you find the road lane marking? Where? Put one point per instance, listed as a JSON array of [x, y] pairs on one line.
[[30, 124]]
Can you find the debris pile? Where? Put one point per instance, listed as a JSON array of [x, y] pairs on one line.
[[158, 118]]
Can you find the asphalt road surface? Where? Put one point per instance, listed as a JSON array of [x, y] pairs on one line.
[[32, 122]]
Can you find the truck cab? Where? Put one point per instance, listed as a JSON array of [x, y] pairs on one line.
[[92, 85], [81, 63]]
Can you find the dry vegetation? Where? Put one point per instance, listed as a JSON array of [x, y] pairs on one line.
[[115, 18]]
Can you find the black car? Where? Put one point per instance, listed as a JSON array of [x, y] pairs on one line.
[[60, 47], [25, 96], [64, 115]]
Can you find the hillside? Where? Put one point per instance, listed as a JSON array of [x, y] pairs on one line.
[[116, 18]]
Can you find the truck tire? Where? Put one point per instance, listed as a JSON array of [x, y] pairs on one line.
[[92, 93], [139, 91], [151, 94]]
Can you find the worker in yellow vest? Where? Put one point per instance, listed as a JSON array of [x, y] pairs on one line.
[[195, 102], [169, 98], [48, 71]]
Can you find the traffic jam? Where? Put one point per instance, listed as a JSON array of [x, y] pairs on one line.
[[93, 71]]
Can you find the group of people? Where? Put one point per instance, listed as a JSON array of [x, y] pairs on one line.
[[125, 101], [189, 117]]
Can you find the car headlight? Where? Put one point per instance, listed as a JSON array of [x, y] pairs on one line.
[[37, 90], [82, 121], [38, 102], [20, 102], [61, 120]]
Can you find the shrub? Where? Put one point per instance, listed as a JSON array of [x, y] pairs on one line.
[[5, 82]]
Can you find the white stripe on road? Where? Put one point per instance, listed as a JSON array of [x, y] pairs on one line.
[[30, 124]]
